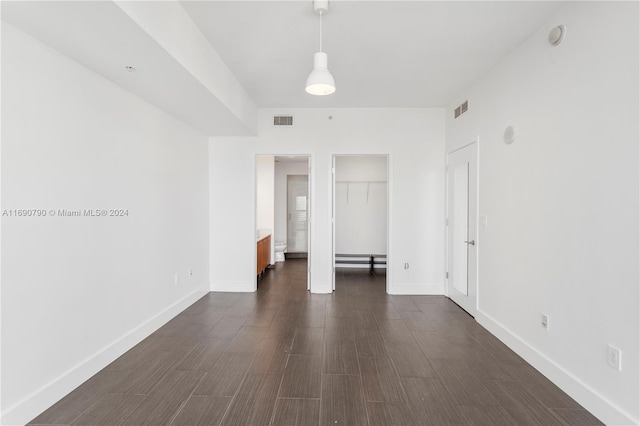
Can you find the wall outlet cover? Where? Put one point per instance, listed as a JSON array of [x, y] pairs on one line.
[[544, 321], [614, 358]]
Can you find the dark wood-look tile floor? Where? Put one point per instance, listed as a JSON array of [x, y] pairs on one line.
[[284, 356]]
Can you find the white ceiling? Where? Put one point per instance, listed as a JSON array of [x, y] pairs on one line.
[[381, 53], [101, 37]]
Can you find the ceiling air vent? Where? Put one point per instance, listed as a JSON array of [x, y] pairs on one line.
[[283, 120], [461, 109]]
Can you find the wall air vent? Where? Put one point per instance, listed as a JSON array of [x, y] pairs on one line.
[[461, 109], [283, 120]]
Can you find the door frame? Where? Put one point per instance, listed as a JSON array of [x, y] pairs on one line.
[[310, 213], [474, 202], [332, 212]]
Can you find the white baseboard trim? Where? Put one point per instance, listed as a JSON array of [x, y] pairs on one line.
[[233, 286], [361, 266], [416, 289], [34, 404], [589, 398]]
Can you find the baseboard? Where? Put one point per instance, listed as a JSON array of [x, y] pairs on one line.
[[363, 266], [34, 404], [297, 255], [233, 286], [586, 396], [416, 289]]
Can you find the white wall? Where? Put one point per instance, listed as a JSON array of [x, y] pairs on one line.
[[79, 291], [562, 202], [414, 140], [282, 170], [264, 192], [361, 169], [361, 205], [361, 218], [265, 175]]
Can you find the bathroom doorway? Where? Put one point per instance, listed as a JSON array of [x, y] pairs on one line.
[[283, 208], [360, 206]]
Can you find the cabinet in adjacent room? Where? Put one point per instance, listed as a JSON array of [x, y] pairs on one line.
[[263, 254]]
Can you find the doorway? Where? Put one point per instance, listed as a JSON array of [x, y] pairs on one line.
[[272, 207], [462, 242], [360, 206]]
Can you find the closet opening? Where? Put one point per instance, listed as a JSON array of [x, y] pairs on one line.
[[360, 206]]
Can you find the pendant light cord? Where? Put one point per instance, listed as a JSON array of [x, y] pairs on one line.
[[321, 31]]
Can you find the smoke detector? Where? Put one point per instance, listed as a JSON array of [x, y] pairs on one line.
[[556, 35]]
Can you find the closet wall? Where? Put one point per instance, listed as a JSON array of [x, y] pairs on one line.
[[361, 205]]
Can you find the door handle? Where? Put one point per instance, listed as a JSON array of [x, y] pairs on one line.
[[471, 243]]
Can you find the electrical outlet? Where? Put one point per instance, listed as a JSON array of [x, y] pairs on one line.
[[544, 321], [614, 358], [176, 279], [190, 272], [406, 265]]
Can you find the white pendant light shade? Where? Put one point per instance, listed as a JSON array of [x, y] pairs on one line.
[[320, 82]]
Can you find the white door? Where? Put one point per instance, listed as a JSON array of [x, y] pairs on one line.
[[297, 213], [462, 197]]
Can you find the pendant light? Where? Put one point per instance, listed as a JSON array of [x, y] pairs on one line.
[[320, 82]]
